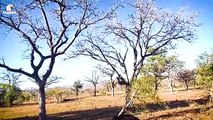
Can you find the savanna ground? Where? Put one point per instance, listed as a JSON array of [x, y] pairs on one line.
[[179, 105]]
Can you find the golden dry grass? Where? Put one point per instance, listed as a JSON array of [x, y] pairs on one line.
[[80, 104], [90, 104]]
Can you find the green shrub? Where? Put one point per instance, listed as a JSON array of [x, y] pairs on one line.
[[9, 94], [145, 88]]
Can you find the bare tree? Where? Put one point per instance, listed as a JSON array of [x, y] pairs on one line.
[[185, 76], [173, 66], [94, 79], [10, 78], [109, 73], [48, 34], [148, 31], [33, 93]]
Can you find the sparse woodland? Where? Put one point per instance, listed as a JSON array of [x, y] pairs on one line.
[[135, 74]]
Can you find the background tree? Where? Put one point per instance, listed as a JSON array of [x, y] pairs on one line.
[[107, 85], [10, 78], [161, 67], [10, 93], [48, 35], [149, 30], [33, 93], [51, 80], [185, 76], [156, 66], [106, 71], [173, 66], [10, 88], [204, 72], [94, 79], [77, 86], [2, 93], [26, 96], [56, 93]]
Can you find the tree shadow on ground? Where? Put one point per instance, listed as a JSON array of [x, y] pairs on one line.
[[153, 107], [49, 102], [179, 113], [94, 114], [109, 112]]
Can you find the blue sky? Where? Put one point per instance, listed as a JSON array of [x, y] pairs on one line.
[[12, 47], [189, 52]]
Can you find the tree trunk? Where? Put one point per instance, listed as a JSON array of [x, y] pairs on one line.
[[56, 99], [170, 85], [113, 89], [11, 101], [194, 83], [186, 84], [42, 107], [95, 90], [156, 87], [128, 93], [129, 99], [107, 88]]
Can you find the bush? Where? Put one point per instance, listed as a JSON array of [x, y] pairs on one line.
[[24, 97], [145, 88], [102, 92], [9, 94]]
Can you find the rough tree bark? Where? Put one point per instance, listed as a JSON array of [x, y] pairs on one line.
[[113, 87], [42, 102], [95, 90]]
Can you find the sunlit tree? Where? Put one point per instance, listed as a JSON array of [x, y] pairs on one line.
[[185, 76], [56, 93], [149, 30], [9, 83], [48, 28], [204, 72], [77, 86], [156, 66], [108, 72], [95, 79], [10, 93]]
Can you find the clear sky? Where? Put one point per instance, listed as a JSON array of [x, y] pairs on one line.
[[12, 48], [189, 52]]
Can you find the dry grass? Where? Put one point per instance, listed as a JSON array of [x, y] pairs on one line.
[[80, 104], [103, 105], [182, 94]]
